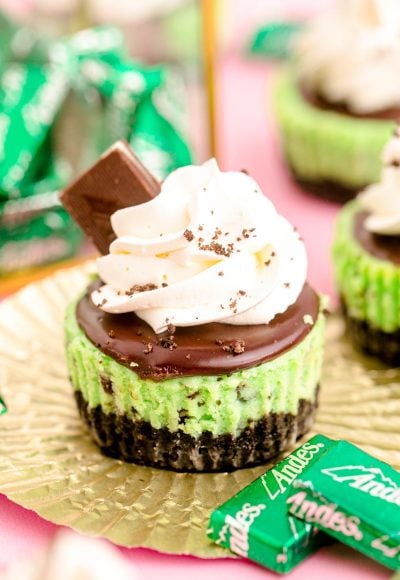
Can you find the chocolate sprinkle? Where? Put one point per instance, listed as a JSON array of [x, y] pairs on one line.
[[188, 234], [107, 384], [149, 348], [167, 342], [136, 288], [235, 347]]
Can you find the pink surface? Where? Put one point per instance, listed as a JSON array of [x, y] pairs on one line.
[[247, 140], [22, 533]]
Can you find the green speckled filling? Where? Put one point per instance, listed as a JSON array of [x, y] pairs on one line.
[[370, 287], [218, 404], [325, 145]]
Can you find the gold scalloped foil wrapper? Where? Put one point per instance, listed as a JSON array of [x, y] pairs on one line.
[[49, 464]]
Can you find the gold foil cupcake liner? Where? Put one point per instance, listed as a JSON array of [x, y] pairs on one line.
[[49, 464]]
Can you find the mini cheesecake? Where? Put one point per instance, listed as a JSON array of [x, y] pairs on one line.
[[199, 346], [337, 107], [366, 254], [331, 152]]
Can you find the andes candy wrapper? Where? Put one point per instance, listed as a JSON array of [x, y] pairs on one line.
[[355, 498], [116, 181], [30, 97], [275, 40], [3, 406], [255, 524]]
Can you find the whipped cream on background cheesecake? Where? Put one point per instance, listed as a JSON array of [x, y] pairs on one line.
[[338, 100], [351, 55]]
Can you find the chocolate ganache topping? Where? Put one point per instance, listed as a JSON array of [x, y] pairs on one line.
[[207, 349], [320, 102], [377, 224], [378, 245]]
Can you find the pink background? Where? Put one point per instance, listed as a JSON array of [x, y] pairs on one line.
[[247, 140]]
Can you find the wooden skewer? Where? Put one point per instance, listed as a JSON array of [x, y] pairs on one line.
[[209, 21]]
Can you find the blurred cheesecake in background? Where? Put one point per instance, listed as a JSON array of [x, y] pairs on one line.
[[338, 101]]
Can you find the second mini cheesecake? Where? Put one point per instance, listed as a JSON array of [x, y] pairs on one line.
[[366, 256], [338, 103]]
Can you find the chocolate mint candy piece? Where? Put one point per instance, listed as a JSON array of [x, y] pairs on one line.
[[116, 181], [255, 524], [353, 497]]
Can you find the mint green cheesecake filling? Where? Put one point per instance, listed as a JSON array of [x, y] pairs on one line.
[[326, 145], [218, 404], [370, 287]]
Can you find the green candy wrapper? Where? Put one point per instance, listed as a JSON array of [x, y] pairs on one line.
[[139, 107], [35, 230], [34, 227], [157, 142], [30, 97], [274, 39], [353, 497], [254, 523], [74, 96]]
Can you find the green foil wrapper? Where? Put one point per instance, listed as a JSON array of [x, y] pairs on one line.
[[355, 498], [3, 406], [35, 231], [30, 96], [62, 103], [158, 133], [143, 106], [34, 227], [274, 40], [254, 523]]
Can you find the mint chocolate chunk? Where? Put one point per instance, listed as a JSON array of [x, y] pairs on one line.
[[116, 181]]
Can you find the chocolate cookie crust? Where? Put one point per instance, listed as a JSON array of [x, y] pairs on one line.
[[373, 341], [326, 189], [138, 442]]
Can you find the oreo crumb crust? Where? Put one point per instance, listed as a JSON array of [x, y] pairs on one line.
[[138, 442], [373, 341], [325, 189]]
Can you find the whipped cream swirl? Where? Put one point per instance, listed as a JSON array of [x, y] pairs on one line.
[[210, 247], [382, 200], [351, 55]]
